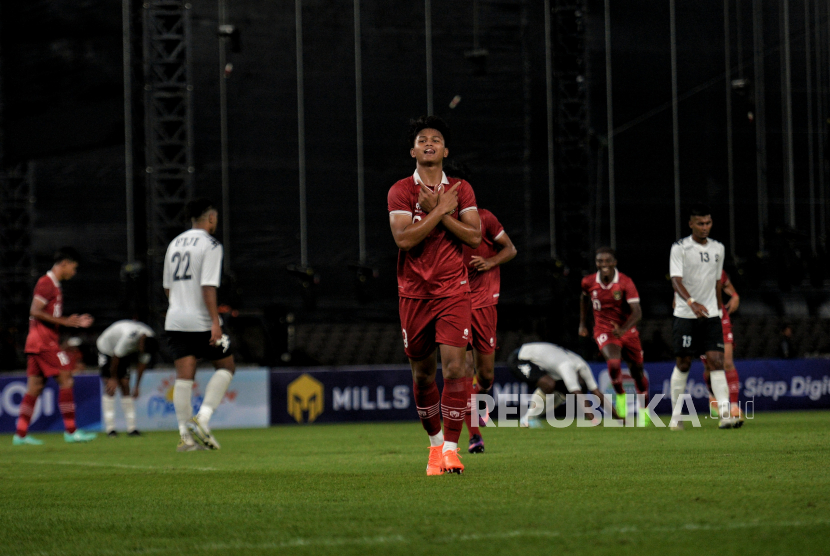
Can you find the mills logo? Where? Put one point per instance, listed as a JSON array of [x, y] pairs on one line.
[[305, 394]]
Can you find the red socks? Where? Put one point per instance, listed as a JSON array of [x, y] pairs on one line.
[[472, 423], [615, 372], [66, 403], [732, 381], [428, 403], [27, 407], [454, 402], [642, 386]]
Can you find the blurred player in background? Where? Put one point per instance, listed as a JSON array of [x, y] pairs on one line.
[[616, 310], [485, 278], [695, 267], [544, 366], [119, 346], [192, 273], [732, 378], [430, 220], [45, 357]]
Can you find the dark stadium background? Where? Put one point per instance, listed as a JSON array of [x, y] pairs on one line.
[[62, 117]]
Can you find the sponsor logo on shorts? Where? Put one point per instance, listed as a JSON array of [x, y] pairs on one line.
[[466, 333], [492, 342]]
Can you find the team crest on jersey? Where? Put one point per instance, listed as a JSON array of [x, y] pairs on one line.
[[617, 295]]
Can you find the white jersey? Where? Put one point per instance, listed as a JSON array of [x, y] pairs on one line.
[[193, 260], [700, 266], [560, 364], [121, 338]]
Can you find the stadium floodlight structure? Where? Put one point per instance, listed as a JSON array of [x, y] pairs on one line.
[[17, 280], [168, 114], [571, 108]]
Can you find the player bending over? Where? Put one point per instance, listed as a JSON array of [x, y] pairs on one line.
[[43, 353], [616, 309], [430, 220], [543, 365], [119, 346], [192, 273]]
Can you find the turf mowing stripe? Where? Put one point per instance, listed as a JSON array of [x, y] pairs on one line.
[[399, 539], [119, 465]]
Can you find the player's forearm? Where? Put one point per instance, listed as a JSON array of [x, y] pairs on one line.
[[677, 284], [414, 233], [209, 297], [503, 256], [634, 317], [469, 235], [43, 316], [583, 300]]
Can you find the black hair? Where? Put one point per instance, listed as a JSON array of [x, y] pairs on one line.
[[606, 249], [197, 208], [428, 122], [67, 253], [699, 209]]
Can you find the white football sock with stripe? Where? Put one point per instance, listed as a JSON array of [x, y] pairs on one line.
[[182, 390], [108, 409], [128, 405], [214, 392], [678, 385], [720, 388]]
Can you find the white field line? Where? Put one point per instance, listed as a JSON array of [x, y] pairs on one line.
[[117, 465], [399, 539]]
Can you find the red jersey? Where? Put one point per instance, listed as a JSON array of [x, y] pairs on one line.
[[610, 302], [434, 267], [43, 336], [484, 285]]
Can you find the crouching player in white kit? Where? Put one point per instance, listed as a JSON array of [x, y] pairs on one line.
[[547, 366], [121, 344], [192, 273]]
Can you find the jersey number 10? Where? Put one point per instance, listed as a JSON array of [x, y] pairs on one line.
[[182, 271]]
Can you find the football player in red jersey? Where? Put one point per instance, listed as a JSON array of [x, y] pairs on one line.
[[45, 358], [485, 279], [430, 220], [616, 307], [732, 378]]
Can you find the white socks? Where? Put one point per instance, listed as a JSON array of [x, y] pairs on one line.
[[214, 392], [108, 409], [720, 388], [437, 439], [678, 385], [128, 405], [182, 402], [450, 447]]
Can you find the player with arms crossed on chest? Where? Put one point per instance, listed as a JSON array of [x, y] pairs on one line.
[[483, 264], [119, 346], [616, 310], [430, 221], [695, 267], [44, 356], [192, 274]]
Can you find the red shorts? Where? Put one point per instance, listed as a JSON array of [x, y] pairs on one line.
[[484, 329], [726, 323], [425, 323], [47, 363], [629, 343]]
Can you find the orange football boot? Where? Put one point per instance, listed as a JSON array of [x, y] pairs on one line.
[[434, 463], [450, 462]]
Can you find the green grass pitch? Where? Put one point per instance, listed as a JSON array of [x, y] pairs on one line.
[[362, 489]]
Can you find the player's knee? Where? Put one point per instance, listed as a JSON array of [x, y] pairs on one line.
[[683, 364], [454, 369], [615, 369]]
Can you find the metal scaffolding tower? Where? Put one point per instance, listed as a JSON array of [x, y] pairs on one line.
[[571, 114], [17, 277], [168, 122]]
